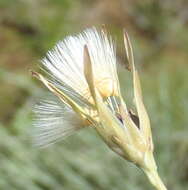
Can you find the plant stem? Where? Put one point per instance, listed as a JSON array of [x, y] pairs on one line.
[[155, 179]]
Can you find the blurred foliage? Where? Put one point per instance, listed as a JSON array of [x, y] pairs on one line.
[[158, 29]]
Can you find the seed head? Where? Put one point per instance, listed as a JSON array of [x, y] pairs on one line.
[[81, 74]]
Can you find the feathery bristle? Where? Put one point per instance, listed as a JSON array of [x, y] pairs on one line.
[[65, 61], [53, 121], [63, 67]]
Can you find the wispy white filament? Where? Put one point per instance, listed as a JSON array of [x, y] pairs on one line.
[[64, 68], [65, 61], [53, 121]]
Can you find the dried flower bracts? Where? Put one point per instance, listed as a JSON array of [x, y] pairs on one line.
[[81, 73]]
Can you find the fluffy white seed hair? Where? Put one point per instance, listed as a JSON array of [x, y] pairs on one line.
[[53, 121], [65, 61], [65, 69]]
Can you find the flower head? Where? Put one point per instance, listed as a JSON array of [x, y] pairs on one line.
[[64, 67], [81, 73]]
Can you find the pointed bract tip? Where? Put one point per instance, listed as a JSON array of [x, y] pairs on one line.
[[86, 51], [129, 51], [34, 74], [88, 71], [104, 29]]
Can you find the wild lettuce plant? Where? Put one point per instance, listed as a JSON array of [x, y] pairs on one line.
[[81, 73]]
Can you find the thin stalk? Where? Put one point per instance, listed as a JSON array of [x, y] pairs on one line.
[[155, 179], [150, 169]]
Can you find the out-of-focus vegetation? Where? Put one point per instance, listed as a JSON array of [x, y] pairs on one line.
[[158, 29]]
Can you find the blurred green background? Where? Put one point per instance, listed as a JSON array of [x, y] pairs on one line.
[[159, 33]]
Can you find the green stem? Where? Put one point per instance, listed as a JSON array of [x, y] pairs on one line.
[[155, 180], [150, 170]]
